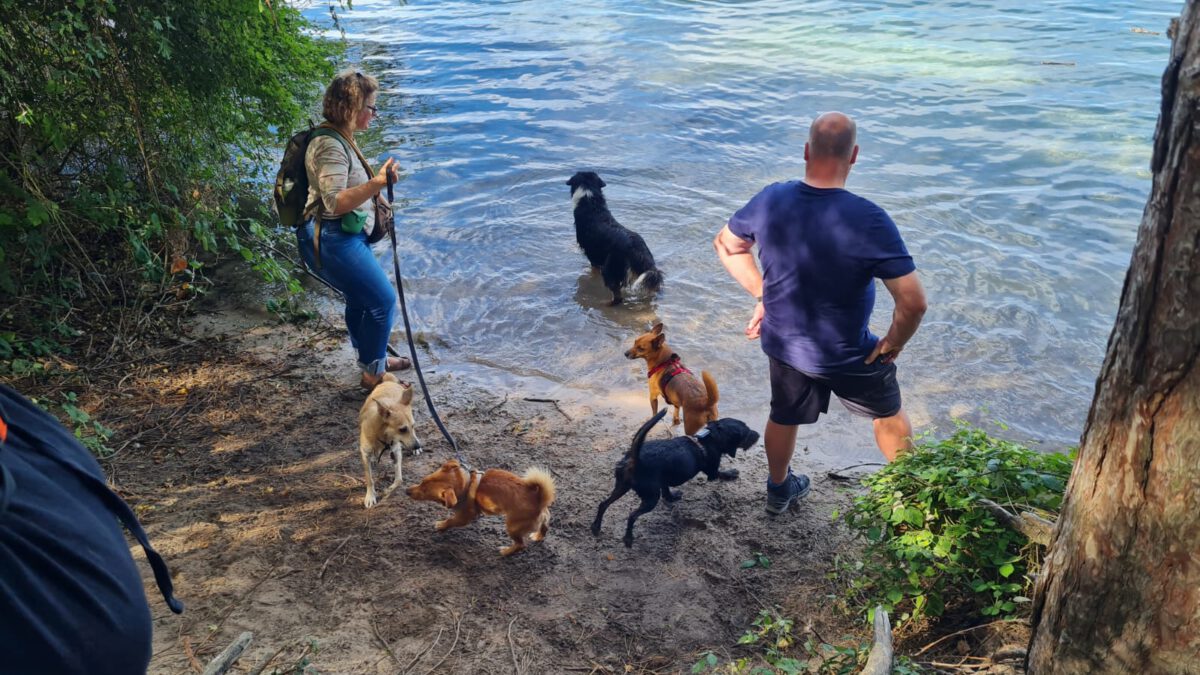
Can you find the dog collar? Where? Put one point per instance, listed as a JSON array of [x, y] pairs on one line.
[[695, 438], [674, 360], [677, 369], [473, 479]]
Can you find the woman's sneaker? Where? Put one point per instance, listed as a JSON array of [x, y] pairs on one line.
[[780, 497]]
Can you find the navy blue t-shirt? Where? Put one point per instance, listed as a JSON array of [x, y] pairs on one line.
[[821, 250]]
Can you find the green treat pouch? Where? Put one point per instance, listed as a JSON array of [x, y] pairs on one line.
[[353, 221]]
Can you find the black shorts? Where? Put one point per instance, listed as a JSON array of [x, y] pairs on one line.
[[799, 398]]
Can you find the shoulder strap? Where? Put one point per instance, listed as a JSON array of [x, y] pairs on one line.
[[325, 130], [332, 133]]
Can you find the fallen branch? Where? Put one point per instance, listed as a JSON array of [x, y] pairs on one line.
[[326, 563], [879, 662], [457, 623], [386, 647], [257, 670], [956, 633], [230, 655], [836, 474], [1035, 528], [423, 651], [553, 401], [512, 649], [191, 655]]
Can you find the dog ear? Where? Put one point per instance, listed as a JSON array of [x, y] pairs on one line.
[[448, 498], [407, 397], [601, 180], [658, 341], [383, 409], [658, 329]]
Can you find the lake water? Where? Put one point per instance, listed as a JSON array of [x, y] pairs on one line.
[[1010, 141]]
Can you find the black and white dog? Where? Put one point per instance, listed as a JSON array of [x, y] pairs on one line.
[[652, 469], [621, 254]]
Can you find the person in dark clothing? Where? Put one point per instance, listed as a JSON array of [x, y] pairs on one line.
[[71, 598], [821, 248]]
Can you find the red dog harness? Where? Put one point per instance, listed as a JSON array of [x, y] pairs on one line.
[[673, 366]]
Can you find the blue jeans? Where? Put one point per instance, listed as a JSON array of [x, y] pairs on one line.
[[348, 264]]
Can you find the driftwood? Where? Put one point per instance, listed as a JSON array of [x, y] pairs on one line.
[[1035, 528], [232, 653], [879, 662]]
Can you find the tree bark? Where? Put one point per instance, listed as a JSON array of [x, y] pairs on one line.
[[1120, 590]]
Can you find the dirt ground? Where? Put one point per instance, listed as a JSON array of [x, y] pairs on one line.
[[236, 445]]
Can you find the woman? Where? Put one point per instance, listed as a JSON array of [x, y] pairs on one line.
[[340, 213]]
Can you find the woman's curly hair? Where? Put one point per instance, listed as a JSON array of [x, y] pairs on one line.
[[347, 95]]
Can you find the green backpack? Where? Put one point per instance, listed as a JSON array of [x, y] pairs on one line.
[[291, 182]]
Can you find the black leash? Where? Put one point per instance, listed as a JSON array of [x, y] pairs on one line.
[[412, 347]]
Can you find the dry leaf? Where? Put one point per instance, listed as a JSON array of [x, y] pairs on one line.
[[178, 265]]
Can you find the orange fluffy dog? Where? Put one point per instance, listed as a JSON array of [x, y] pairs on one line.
[[674, 383], [524, 502]]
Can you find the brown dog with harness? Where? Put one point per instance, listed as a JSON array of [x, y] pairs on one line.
[[669, 379]]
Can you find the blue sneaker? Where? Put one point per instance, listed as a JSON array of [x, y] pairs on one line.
[[780, 497]]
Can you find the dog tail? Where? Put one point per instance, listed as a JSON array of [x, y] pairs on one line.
[[639, 438], [541, 480], [710, 386], [651, 280]]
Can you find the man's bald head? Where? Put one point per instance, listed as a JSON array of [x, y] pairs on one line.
[[832, 136]]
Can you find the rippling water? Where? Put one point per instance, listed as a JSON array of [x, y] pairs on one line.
[[1017, 184]]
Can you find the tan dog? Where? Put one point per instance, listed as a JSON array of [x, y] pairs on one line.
[[524, 502], [674, 383], [386, 421]]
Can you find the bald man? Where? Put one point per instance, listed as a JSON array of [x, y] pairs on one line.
[[821, 248]]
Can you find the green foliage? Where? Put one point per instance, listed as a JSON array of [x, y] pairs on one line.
[[303, 665], [135, 139], [774, 641], [90, 432], [759, 559], [928, 539]]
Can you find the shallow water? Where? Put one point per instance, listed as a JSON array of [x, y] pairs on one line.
[[1017, 185]]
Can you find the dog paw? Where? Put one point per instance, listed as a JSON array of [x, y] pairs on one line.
[[370, 500], [509, 550], [537, 536], [595, 530], [628, 541], [441, 525], [727, 474]]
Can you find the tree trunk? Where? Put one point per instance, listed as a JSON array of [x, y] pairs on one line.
[[1120, 590]]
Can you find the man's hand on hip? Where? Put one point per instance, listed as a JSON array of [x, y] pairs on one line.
[[754, 328], [884, 349]]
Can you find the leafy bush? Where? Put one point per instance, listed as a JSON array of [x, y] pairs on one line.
[[135, 138], [773, 636], [929, 540]]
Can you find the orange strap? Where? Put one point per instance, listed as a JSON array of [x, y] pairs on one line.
[[317, 242]]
